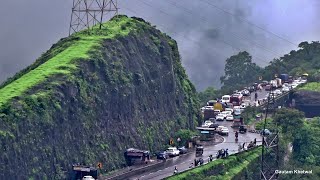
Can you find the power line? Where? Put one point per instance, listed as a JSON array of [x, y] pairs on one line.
[[250, 23]]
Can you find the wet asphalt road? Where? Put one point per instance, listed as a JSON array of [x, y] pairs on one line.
[[183, 162]]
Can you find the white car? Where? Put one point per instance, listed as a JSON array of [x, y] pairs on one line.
[[277, 92], [173, 151], [227, 112], [208, 107], [88, 178], [217, 111], [229, 118], [207, 124], [236, 107], [229, 109], [285, 89], [220, 117], [225, 131], [237, 112], [285, 85]]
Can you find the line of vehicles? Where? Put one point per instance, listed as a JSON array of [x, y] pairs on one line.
[[230, 107]]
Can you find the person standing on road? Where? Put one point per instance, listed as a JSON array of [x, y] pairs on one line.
[[243, 145], [175, 169], [255, 141]]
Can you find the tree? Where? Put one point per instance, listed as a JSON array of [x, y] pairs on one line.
[[289, 120], [239, 71], [208, 94]]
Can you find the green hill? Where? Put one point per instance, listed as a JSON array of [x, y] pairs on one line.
[[90, 97]]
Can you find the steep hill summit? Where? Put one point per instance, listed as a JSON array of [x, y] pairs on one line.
[[90, 97]]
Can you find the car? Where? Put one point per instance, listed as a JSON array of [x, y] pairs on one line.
[[246, 92], [285, 89], [214, 125], [237, 112], [236, 107], [216, 111], [242, 129], [224, 131], [268, 87], [88, 178], [173, 151], [285, 85], [265, 132], [251, 89], [277, 92], [226, 113], [207, 123], [213, 120], [208, 107], [220, 117], [225, 98], [162, 155], [229, 117], [183, 150], [229, 109]]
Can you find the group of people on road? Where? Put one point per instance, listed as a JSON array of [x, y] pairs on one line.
[[250, 145], [222, 153]]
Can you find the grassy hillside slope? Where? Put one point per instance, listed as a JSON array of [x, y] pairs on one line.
[[92, 96], [233, 167]]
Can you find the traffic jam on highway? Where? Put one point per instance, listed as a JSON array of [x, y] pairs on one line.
[[230, 107], [222, 117]]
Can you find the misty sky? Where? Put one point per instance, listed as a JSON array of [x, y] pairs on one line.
[[206, 35]]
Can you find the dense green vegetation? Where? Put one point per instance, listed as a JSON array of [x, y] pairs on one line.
[[61, 63], [313, 86], [239, 71], [304, 137], [304, 60], [90, 97], [208, 94], [221, 169]]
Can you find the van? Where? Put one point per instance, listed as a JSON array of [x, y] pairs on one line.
[[225, 99]]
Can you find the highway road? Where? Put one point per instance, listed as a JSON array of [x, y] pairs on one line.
[[183, 162]]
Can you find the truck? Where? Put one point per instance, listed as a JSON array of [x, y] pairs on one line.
[[208, 113], [284, 78], [235, 100], [218, 106]]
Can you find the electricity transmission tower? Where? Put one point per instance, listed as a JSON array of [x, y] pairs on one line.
[[88, 13], [270, 151]]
